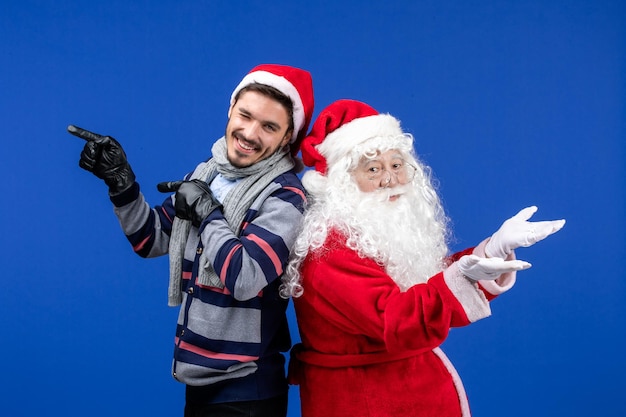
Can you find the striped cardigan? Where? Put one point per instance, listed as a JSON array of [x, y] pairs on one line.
[[229, 337]]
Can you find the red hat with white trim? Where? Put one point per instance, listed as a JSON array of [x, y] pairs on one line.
[[295, 83], [342, 126]]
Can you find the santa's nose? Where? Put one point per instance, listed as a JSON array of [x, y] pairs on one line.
[[388, 179]]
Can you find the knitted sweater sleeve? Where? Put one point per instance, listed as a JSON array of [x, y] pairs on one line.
[[248, 263], [147, 229]]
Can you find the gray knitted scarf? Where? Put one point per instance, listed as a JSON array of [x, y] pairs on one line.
[[254, 179]]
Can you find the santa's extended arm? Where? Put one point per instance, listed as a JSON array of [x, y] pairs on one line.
[[493, 262]]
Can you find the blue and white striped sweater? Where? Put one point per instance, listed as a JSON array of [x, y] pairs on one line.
[[233, 332]]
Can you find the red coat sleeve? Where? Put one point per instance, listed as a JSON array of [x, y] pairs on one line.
[[358, 298]]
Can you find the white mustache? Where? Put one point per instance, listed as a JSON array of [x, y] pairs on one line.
[[384, 194]]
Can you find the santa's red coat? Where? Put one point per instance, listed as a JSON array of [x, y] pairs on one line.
[[370, 350]]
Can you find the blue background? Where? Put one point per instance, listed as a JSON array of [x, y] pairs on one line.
[[512, 103]]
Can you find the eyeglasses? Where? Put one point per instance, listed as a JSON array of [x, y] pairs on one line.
[[402, 172]]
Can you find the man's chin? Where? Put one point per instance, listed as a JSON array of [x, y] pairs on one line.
[[238, 161]]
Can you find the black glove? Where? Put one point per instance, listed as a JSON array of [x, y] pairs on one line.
[[194, 199], [105, 158]]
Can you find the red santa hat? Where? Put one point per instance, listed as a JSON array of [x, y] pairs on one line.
[[342, 126], [295, 83]]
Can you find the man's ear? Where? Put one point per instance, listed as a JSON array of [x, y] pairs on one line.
[[230, 110], [287, 138]]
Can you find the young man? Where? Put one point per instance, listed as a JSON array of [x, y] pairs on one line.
[[375, 292], [228, 230]]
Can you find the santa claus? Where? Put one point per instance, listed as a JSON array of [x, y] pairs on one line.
[[374, 287]]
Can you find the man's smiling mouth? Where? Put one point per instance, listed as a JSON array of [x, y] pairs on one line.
[[243, 145]]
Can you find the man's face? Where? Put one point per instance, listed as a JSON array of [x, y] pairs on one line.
[[386, 170], [257, 127]]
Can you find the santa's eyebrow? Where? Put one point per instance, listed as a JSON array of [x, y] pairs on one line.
[[378, 157]]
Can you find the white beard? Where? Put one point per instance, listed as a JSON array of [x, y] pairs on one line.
[[403, 236], [407, 236]]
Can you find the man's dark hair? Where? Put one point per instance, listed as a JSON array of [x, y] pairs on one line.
[[274, 94]]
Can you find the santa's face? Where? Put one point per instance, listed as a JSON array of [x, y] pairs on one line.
[[257, 127], [392, 223], [383, 171]]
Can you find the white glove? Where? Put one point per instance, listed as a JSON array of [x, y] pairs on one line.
[[519, 232], [477, 268]]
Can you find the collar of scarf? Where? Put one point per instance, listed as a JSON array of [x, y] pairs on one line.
[[253, 180]]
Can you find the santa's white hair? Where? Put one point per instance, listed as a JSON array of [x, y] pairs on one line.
[[407, 237]]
